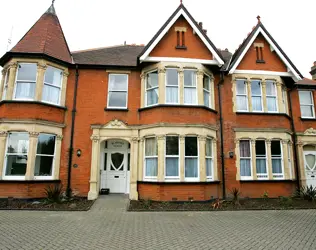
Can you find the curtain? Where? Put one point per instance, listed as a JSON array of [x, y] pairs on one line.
[[152, 96], [261, 166], [256, 103], [151, 166], [172, 166], [209, 167], [172, 94], [241, 102], [271, 102], [206, 98], [191, 168], [245, 169], [208, 147], [25, 90], [244, 147], [270, 88], [151, 147], [276, 166], [190, 95], [51, 94]]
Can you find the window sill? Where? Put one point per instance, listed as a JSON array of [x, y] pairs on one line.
[[116, 109], [30, 181], [178, 106], [178, 182], [266, 181], [33, 102], [308, 119], [262, 113]]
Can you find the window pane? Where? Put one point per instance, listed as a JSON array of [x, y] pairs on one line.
[[206, 98], [151, 166], [16, 165], [172, 77], [152, 80], [53, 76], [206, 82], [260, 148], [191, 146], [172, 167], [261, 166], [25, 90], [270, 88], [189, 78], [242, 103], [276, 166], [172, 145], [27, 72], [209, 167], [275, 148], [18, 143], [241, 87], [117, 82], [244, 147], [271, 102], [152, 96], [256, 103], [208, 147], [43, 166], [51, 94], [150, 147], [255, 87], [117, 99], [172, 95], [245, 169], [191, 168], [307, 111], [46, 144], [190, 96], [305, 97]]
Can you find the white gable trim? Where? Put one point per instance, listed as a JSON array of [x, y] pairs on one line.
[[263, 72], [286, 62], [180, 59], [175, 18]]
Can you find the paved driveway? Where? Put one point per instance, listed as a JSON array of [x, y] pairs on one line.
[[109, 226]]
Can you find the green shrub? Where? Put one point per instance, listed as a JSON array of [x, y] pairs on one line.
[[286, 201], [307, 193], [235, 192], [54, 193], [265, 195]]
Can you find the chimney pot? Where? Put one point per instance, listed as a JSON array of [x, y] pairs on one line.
[[201, 24], [205, 31]]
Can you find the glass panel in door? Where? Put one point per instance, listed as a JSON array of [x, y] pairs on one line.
[[117, 162]]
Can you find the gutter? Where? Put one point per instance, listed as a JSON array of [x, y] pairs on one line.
[[73, 116], [221, 132], [296, 156]]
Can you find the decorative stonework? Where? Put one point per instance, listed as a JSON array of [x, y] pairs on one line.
[[182, 138], [253, 141], [13, 65], [310, 131], [285, 141], [59, 137], [202, 138], [33, 134], [161, 137], [95, 138], [161, 70], [65, 74], [116, 124], [3, 134], [135, 139], [42, 66], [300, 144]]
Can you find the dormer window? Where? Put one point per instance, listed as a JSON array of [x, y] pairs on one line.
[[259, 52], [181, 37]]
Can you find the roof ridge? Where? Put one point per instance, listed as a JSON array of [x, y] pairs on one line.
[[106, 47]]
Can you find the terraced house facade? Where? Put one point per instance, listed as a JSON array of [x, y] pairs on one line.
[[177, 119]]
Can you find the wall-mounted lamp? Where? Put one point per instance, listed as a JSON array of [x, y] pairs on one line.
[[79, 152], [231, 154]]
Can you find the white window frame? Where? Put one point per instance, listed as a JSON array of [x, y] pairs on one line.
[[208, 91], [309, 105], [278, 158], [172, 156], [16, 82], [190, 87], [252, 95], [9, 177], [150, 178], [5, 85], [246, 95], [172, 86], [121, 91], [274, 96], [188, 179], [53, 163], [153, 88], [210, 178], [246, 158], [54, 86], [265, 157]]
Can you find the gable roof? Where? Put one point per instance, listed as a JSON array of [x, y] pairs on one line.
[[243, 48], [45, 37], [181, 10]]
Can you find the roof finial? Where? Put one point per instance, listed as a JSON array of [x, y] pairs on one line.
[[51, 9], [180, 2], [258, 17], [53, 2]]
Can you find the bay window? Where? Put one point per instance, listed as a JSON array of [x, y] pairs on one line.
[[25, 83], [151, 88], [209, 159], [191, 168], [207, 90], [172, 86], [241, 95], [271, 95], [16, 155], [151, 157], [245, 159], [190, 92], [172, 157], [307, 104], [45, 154], [261, 160], [276, 155], [256, 95], [118, 91], [52, 85]]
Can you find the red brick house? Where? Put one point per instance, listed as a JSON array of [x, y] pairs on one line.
[[176, 119]]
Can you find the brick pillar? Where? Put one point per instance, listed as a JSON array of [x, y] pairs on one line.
[[253, 159], [181, 156], [202, 141], [94, 173], [3, 140], [31, 156], [161, 157]]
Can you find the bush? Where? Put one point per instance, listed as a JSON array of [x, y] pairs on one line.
[[265, 195], [235, 192], [307, 193], [54, 194], [286, 201]]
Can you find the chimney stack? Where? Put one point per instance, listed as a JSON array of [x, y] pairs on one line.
[[313, 71]]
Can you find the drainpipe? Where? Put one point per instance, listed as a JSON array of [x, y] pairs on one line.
[[296, 157], [221, 132], [73, 115]]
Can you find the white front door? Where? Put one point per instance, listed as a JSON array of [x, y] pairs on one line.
[[115, 166], [310, 167]]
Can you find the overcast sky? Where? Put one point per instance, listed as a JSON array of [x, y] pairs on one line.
[[99, 23]]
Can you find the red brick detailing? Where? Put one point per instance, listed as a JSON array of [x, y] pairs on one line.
[[274, 190], [195, 47], [23, 190], [182, 192], [272, 60]]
